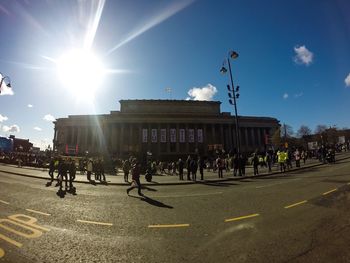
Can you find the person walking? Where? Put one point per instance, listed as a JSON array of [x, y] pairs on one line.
[[255, 163], [242, 163], [268, 160], [89, 168], [126, 169], [51, 168], [297, 158], [220, 165], [188, 167], [135, 173], [72, 171], [235, 161], [194, 168], [281, 157], [180, 165], [201, 165]]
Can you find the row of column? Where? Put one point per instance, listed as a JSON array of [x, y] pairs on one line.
[[123, 137]]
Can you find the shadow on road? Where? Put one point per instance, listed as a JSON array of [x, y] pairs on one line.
[[148, 188], [220, 184], [155, 202]]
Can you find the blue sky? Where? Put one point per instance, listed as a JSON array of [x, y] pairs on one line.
[[293, 64]]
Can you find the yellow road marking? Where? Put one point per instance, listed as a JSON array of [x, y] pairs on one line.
[[292, 205], [2, 253], [165, 226], [10, 240], [241, 217], [4, 202], [96, 223], [38, 212], [330, 191]]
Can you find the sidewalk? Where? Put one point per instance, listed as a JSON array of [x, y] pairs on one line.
[[210, 177]]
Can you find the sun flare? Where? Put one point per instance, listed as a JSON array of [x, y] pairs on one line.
[[81, 72]]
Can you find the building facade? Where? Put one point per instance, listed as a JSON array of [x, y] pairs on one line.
[[165, 129]]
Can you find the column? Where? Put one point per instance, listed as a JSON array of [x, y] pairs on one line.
[[230, 137], [252, 136], [177, 138], [213, 134], [246, 136], [222, 139], [259, 137], [186, 139], [168, 138], [196, 136], [158, 142], [205, 140]]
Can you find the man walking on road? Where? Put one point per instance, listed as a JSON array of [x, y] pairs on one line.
[[135, 173]]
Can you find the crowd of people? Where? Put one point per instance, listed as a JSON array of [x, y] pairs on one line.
[[188, 168]]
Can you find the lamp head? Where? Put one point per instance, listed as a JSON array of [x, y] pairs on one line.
[[230, 101], [223, 70], [229, 88], [233, 54], [229, 95]]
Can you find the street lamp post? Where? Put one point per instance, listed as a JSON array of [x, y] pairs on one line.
[[4, 78], [233, 94]]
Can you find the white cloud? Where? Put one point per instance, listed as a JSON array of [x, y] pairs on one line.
[[30, 106], [285, 95], [347, 80], [303, 55], [204, 93], [37, 129], [12, 128], [3, 118], [298, 95], [42, 144], [5, 90], [49, 117]]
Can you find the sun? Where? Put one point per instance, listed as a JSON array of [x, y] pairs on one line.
[[81, 71]]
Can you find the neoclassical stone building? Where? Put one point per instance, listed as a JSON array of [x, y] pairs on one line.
[[165, 128]]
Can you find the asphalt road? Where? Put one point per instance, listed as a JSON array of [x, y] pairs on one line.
[[301, 216]]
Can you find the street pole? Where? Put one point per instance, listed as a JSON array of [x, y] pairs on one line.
[[235, 108]]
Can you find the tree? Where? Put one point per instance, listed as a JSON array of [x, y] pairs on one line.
[[276, 138], [321, 128], [286, 131], [303, 131]]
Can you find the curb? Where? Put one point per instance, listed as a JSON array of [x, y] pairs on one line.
[[184, 182]]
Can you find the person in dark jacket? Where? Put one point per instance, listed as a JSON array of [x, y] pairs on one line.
[[194, 168], [180, 165], [242, 164], [188, 167], [135, 173], [201, 165]]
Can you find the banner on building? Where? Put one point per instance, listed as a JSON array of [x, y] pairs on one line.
[[144, 135], [154, 135], [182, 137], [163, 135], [190, 135], [312, 145], [172, 135], [341, 139], [200, 135]]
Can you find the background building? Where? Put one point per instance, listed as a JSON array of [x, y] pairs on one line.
[[166, 129]]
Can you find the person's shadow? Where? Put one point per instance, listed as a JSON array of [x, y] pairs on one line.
[[155, 202]]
